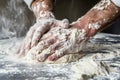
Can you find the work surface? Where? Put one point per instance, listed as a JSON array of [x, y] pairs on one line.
[[101, 62]]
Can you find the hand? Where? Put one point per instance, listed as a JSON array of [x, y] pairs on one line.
[[86, 24], [45, 21], [57, 43], [37, 31]]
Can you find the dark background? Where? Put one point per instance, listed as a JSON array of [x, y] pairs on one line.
[[15, 18]]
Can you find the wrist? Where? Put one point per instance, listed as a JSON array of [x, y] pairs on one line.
[[42, 8], [98, 17], [85, 24]]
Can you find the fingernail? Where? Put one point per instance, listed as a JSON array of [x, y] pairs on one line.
[[42, 58], [52, 58], [39, 60]]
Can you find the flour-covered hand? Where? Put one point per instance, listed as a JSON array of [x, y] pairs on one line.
[[57, 43], [37, 31]]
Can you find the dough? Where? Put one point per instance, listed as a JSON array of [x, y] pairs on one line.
[[65, 59]]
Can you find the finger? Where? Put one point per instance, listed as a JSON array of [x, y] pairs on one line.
[[47, 52], [64, 23], [45, 44], [27, 41], [47, 36], [31, 54], [58, 54], [32, 30], [19, 48], [38, 33], [29, 37], [28, 46], [61, 51], [22, 49], [21, 52]]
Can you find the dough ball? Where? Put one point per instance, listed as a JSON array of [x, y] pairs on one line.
[[67, 58]]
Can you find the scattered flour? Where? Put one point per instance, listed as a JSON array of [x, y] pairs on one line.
[[97, 64], [94, 25]]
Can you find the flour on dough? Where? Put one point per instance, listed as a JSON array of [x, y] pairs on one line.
[[65, 59]]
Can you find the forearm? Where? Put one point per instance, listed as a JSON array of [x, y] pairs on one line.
[[42, 8], [98, 17]]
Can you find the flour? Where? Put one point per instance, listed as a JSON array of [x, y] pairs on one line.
[[45, 14], [94, 68], [94, 25], [43, 4], [41, 11], [42, 26], [100, 61], [102, 5]]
